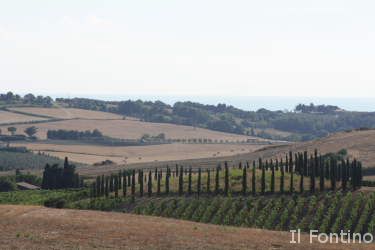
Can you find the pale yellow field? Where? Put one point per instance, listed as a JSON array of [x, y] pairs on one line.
[[131, 129], [68, 113], [140, 154], [9, 117]]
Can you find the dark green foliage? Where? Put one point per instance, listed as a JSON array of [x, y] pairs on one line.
[[208, 181], [244, 181], [199, 182], [181, 181], [272, 178], [167, 176], [140, 174], [189, 181], [291, 171], [158, 190], [282, 177], [217, 180], [55, 177], [133, 185], [263, 178], [149, 184], [6, 184], [253, 179], [226, 178], [124, 183]]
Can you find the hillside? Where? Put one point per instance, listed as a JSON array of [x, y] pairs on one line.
[[32, 227]]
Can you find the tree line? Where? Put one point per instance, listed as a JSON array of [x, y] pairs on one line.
[[317, 170]]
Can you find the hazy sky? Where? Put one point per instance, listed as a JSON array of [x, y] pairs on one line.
[[195, 47]]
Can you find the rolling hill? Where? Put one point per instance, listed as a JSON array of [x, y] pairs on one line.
[[33, 227]]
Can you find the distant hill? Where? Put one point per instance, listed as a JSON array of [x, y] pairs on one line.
[[305, 123]]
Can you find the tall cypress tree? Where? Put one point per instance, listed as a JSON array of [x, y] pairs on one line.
[[253, 179], [344, 180], [116, 186], [226, 179], [333, 174], [312, 175], [302, 170], [149, 184], [217, 180], [133, 185], [97, 183], [189, 181], [321, 174], [208, 181], [181, 181], [291, 171], [102, 186], [167, 176], [140, 173], [158, 184], [282, 176], [263, 179], [120, 179], [106, 188], [156, 174], [124, 184], [272, 178], [199, 181], [244, 181]]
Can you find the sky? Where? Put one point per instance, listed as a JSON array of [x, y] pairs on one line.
[[322, 48]]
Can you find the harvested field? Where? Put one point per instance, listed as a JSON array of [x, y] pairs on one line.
[[131, 129], [33, 227], [139, 154], [68, 113], [9, 117]]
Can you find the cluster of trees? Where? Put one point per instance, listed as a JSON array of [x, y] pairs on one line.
[[322, 109], [55, 177], [30, 99], [318, 169], [62, 134]]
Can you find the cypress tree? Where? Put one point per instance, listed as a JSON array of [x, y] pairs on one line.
[[199, 181], [263, 179], [217, 180], [111, 189], [321, 174], [141, 183], [167, 176], [302, 170], [129, 179], [244, 181], [208, 181], [102, 187], [226, 179], [120, 179], [240, 165], [97, 186], [272, 178], [124, 184], [149, 184], [189, 181], [156, 174], [93, 190], [282, 175], [344, 180], [291, 187], [333, 174], [133, 185], [253, 179], [106, 188], [181, 182], [159, 184], [116, 186], [177, 171], [312, 175]]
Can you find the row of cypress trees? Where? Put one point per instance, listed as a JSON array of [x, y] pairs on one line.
[[315, 167]]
